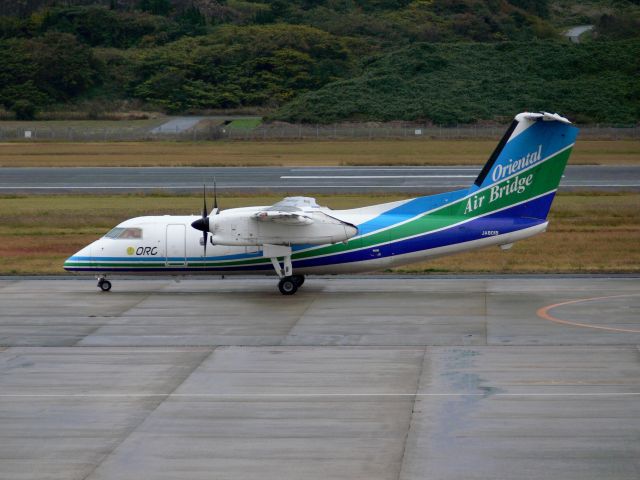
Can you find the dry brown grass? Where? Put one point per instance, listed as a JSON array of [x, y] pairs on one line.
[[587, 233], [556, 251], [299, 153]]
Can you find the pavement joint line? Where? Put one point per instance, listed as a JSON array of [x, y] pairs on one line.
[[112, 318], [150, 412], [416, 397], [297, 320]]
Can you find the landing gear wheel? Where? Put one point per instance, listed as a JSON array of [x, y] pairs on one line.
[[288, 286], [104, 285], [298, 279]]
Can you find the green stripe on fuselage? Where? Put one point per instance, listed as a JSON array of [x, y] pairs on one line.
[[545, 178]]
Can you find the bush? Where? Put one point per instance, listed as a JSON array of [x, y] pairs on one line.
[[100, 26], [237, 66], [24, 110], [461, 83]]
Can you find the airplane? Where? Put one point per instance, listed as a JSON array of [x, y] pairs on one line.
[[509, 201]]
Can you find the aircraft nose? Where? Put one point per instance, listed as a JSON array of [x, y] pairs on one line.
[[78, 259]]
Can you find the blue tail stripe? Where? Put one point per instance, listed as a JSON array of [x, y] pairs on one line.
[[552, 136], [507, 221]]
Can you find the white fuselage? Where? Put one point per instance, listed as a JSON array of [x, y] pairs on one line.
[[169, 245]]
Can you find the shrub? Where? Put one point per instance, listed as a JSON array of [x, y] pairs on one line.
[[24, 110]]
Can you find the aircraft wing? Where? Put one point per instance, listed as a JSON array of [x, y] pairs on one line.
[[289, 211], [286, 217]]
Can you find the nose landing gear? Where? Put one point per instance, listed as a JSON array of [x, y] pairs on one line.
[[104, 284]]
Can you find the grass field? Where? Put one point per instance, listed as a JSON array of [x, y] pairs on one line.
[[245, 123], [588, 232], [299, 153]]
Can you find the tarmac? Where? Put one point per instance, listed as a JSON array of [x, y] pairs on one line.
[[415, 180], [352, 378]]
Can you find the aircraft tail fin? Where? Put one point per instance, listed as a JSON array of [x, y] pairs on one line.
[[528, 163]]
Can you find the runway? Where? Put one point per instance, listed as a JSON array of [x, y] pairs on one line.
[[253, 179], [352, 378]]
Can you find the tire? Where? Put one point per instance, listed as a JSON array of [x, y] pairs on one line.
[[287, 286], [298, 279], [105, 285]]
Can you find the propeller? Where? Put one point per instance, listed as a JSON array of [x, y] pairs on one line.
[[215, 197], [202, 223]]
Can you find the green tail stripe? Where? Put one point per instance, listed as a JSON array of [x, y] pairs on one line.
[[535, 182]]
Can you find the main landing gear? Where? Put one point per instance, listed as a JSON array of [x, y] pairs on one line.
[[289, 283], [104, 284]]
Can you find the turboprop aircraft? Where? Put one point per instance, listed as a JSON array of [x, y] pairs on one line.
[[509, 201]]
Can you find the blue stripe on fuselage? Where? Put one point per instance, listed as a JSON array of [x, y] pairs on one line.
[[505, 221], [410, 209]]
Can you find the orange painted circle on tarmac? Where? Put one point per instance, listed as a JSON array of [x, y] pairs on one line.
[[544, 314]]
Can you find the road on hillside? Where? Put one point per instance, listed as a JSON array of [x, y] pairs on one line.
[[575, 32], [413, 180]]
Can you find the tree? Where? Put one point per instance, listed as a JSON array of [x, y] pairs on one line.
[[24, 110], [64, 67], [156, 7]]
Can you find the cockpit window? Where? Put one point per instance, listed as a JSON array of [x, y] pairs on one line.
[[124, 233], [114, 232]]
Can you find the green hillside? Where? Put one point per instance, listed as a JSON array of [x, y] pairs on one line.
[[461, 82], [320, 61]]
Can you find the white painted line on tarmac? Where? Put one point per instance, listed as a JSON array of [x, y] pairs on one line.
[[310, 395], [228, 187], [374, 169], [296, 177], [267, 187]]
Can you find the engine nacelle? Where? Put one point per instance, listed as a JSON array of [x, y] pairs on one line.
[[247, 230]]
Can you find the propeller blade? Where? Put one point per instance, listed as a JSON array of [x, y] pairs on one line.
[[202, 224], [215, 196], [204, 244], [204, 201]]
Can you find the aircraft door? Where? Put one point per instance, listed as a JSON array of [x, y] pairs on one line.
[[176, 246]]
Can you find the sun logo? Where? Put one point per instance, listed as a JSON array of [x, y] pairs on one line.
[[131, 250]]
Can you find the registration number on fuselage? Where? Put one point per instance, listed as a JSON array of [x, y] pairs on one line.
[[490, 233]]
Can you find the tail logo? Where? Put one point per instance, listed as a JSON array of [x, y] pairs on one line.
[[517, 184], [502, 171]]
